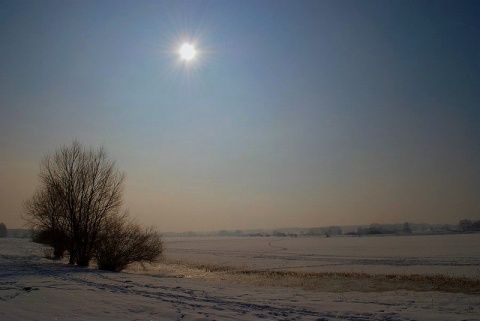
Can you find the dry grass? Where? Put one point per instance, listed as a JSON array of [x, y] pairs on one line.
[[320, 281]]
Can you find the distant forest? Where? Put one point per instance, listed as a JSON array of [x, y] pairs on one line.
[[19, 233], [407, 228]]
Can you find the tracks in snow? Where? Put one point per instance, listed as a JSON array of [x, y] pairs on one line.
[[192, 300]]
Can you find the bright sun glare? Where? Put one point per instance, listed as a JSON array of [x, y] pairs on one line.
[[187, 52]]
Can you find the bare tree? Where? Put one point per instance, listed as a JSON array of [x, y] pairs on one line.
[[44, 213], [80, 189]]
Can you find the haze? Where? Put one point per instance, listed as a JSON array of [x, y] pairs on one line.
[[296, 113]]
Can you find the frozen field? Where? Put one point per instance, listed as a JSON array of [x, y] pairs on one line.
[[452, 255], [35, 288]]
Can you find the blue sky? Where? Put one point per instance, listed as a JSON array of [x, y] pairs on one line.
[[294, 113]]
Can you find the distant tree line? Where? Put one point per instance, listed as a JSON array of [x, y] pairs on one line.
[[19, 233], [294, 232], [409, 228], [327, 231], [15, 233], [405, 228], [376, 228], [467, 225], [77, 209]]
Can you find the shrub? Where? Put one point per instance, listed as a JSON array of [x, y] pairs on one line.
[[123, 242], [56, 239], [3, 230]]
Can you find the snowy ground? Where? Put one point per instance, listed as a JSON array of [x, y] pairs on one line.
[[453, 255], [35, 288]]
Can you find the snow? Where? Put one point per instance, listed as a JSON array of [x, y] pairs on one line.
[[453, 255], [35, 288]]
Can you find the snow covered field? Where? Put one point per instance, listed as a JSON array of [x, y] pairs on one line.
[[453, 255], [35, 288]]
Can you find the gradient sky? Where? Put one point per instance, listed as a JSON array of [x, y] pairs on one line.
[[296, 113]]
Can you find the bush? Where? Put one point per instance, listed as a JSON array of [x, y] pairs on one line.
[[123, 242], [56, 239], [3, 230]]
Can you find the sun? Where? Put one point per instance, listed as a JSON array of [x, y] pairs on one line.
[[187, 52]]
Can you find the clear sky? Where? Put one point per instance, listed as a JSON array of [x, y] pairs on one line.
[[292, 113]]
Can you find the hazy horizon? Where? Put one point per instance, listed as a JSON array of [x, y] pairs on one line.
[[280, 228], [292, 113]]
